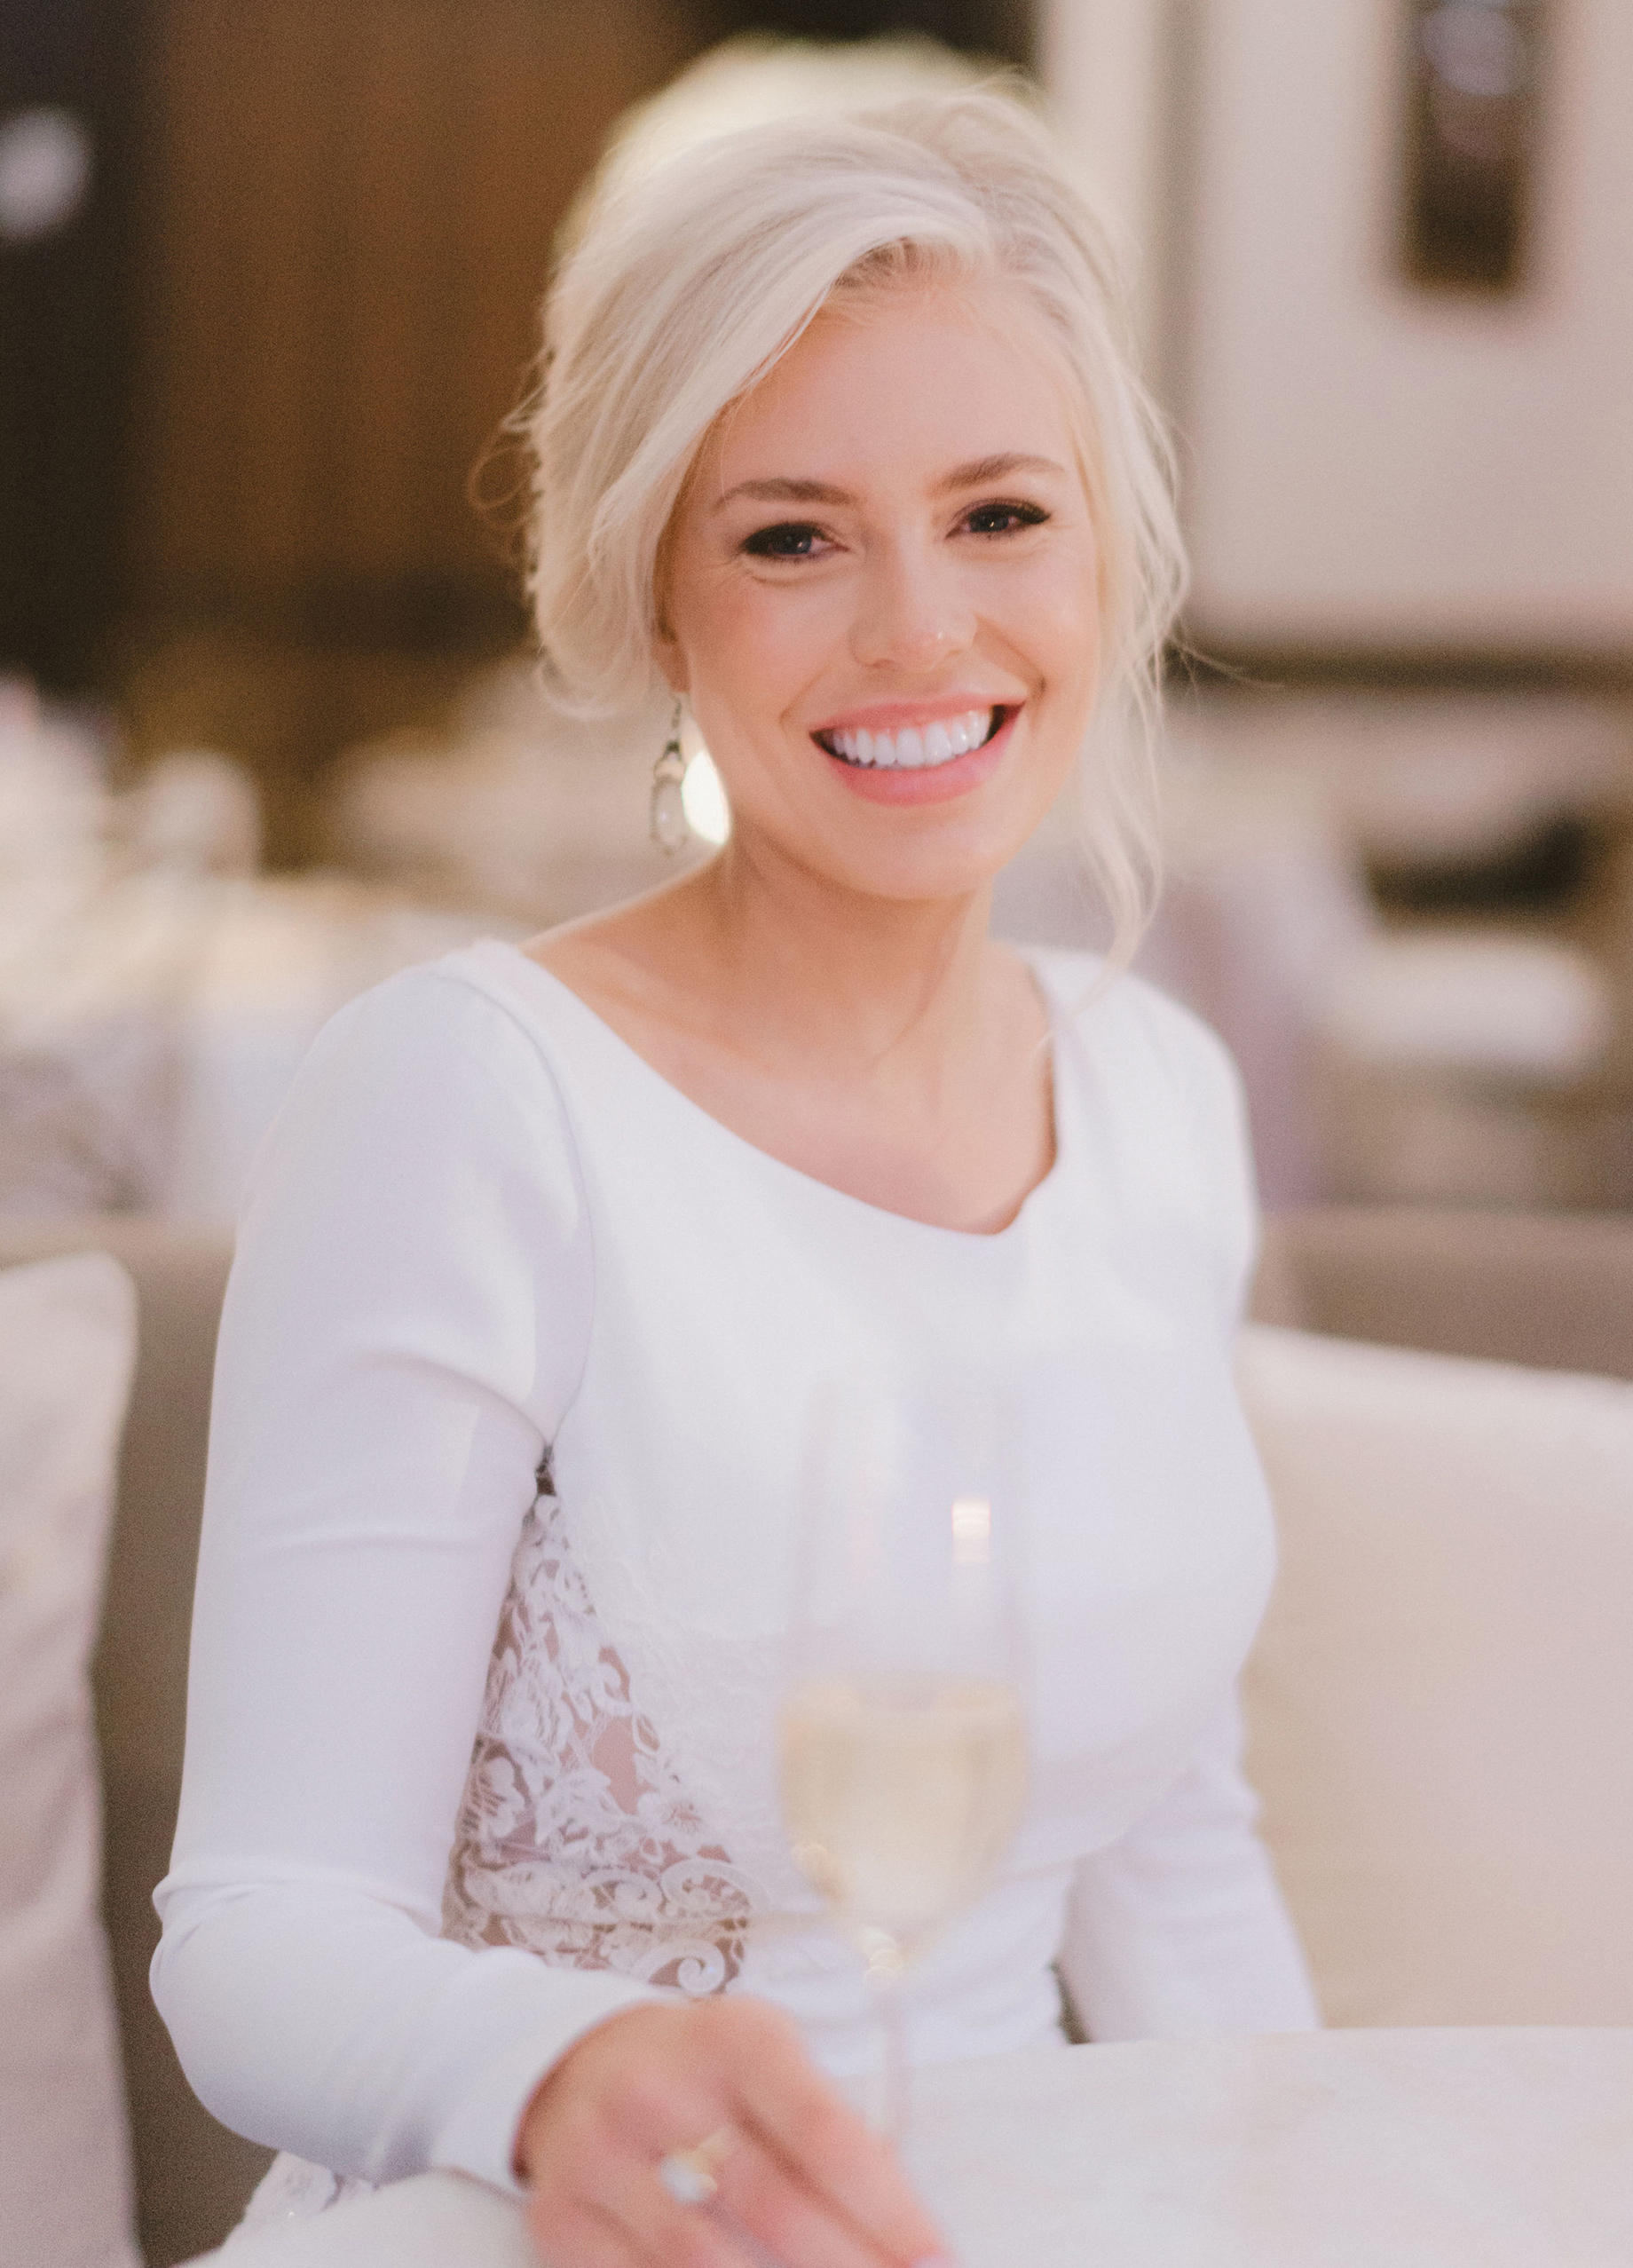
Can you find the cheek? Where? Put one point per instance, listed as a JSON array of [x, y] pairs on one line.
[[1057, 617], [753, 645]]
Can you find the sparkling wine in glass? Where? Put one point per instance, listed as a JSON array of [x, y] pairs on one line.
[[903, 1737]]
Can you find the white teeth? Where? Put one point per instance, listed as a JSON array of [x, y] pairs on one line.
[[912, 749]]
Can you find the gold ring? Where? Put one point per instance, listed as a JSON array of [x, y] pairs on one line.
[[691, 2176]]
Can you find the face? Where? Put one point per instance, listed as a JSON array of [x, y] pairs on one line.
[[881, 596]]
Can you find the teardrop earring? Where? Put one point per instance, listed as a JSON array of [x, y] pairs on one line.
[[670, 831]]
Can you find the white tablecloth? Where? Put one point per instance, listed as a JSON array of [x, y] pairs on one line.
[[1426, 2149]]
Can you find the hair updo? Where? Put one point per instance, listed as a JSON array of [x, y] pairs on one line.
[[687, 279]]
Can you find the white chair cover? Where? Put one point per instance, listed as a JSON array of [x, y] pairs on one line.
[[1440, 1702]]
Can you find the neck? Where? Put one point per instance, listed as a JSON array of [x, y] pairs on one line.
[[859, 982]]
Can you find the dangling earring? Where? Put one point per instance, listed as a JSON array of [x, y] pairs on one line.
[[670, 831]]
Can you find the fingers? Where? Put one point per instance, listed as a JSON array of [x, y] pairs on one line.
[[677, 2232], [602, 2191], [761, 2214], [586, 2238], [838, 2157], [787, 2217], [725, 2086]]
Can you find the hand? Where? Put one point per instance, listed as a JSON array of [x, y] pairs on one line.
[[799, 2173]]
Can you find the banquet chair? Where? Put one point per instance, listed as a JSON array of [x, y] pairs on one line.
[[193, 2177], [1440, 1703]]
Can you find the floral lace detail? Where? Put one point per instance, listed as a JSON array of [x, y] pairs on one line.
[[577, 1839]]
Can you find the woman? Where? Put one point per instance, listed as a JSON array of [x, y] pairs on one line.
[[549, 1245]]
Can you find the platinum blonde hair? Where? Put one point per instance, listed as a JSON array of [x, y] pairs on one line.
[[687, 279]]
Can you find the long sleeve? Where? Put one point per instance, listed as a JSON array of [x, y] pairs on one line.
[[406, 1322], [1179, 1928]]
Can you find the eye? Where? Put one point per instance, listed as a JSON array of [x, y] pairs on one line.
[[788, 540], [1002, 518]]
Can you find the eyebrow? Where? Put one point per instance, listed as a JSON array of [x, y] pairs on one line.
[[976, 474]]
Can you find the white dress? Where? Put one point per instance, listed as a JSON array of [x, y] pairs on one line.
[[494, 1579]]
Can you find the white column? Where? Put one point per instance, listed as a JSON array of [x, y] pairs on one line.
[[1105, 66]]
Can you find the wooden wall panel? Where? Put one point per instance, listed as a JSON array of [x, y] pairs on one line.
[[347, 232], [396, 222], [184, 426], [276, 196]]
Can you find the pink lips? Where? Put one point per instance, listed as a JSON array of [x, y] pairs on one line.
[[938, 784]]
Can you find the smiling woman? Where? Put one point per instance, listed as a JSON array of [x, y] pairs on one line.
[[673, 320], [555, 1249], [838, 437], [936, 587]]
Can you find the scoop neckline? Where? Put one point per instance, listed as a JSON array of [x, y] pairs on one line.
[[768, 1159]]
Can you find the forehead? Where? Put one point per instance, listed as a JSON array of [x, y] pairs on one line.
[[895, 384]]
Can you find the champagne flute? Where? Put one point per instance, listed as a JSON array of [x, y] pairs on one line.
[[903, 1736]]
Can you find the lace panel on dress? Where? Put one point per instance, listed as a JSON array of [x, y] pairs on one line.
[[576, 1838]]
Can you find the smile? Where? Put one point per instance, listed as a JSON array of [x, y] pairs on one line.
[[915, 748]]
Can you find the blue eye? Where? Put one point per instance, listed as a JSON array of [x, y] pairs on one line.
[[788, 540]]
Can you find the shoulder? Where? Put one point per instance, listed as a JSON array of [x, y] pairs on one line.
[[415, 1214], [469, 1013], [1123, 1027], [1166, 1095], [442, 1062]]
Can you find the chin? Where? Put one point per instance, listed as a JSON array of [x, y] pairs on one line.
[[932, 875]]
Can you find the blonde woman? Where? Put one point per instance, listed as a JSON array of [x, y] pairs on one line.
[[838, 441]]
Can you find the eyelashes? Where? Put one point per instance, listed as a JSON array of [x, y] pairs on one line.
[[1020, 514], [800, 539], [788, 540]]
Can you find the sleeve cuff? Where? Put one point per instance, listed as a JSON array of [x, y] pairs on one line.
[[538, 2012]]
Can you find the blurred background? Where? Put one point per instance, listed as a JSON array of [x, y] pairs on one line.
[[269, 273]]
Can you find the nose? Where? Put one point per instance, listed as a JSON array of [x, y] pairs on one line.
[[910, 614]]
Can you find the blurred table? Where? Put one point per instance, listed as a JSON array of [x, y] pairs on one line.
[[150, 1025], [1425, 2149]]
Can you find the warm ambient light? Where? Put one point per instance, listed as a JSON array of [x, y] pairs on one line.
[[703, 800]]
